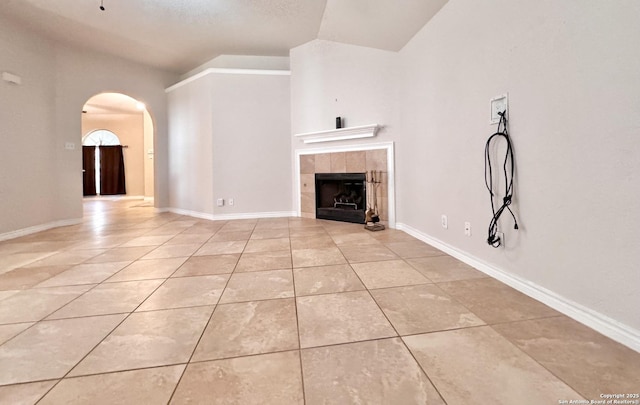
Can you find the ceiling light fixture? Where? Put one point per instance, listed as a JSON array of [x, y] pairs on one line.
[[140, 105], [102, 5]]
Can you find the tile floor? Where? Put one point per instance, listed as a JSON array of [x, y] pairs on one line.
[[138, 307]]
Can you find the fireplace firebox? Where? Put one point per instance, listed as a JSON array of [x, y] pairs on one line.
[[341, 196]]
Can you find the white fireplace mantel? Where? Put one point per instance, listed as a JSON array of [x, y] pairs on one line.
[[363, 131]]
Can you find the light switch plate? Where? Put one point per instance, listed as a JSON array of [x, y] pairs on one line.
[[498, 104], [69, 145]]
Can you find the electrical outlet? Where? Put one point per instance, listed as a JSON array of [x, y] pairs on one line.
[[220, 202], [498, 104], [501, 236], [69, 145], [444, 221], [467, 228], [230, 201]]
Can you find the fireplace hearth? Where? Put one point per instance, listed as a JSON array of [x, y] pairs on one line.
[[341, 196]]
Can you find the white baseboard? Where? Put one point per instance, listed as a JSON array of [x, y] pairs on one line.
[[228, 217], [255, 215], [609, 327], [39, 228]]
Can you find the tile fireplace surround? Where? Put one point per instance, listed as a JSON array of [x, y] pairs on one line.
[[342, 162]]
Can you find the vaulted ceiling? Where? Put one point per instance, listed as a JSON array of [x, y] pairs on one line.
[[179, 35]]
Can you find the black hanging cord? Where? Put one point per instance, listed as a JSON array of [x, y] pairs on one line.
[[502, 132]]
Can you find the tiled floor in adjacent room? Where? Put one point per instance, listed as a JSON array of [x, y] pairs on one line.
[[151, 308]]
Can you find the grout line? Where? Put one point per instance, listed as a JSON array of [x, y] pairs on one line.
[[295, 303], [204, 329]]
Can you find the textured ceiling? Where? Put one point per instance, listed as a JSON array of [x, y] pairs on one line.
[[179, 35]]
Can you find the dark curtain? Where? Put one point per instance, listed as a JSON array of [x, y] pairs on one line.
[[89, 170], [112, 170]]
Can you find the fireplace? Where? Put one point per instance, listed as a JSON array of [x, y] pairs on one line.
[[341, 196]]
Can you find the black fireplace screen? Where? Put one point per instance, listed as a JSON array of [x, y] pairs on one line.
[[341, 196]]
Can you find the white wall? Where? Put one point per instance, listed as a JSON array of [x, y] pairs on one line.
[[27, 116], [40, 181], [190, 146], [572, 72], [229, 137], [330, 79], [252, 143]]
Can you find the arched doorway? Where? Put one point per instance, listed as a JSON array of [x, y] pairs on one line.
[[131, 123]]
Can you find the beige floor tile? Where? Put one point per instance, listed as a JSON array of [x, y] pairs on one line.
[[312, 242], [391, 273], [258, 261], [373, 372], [25, 394], [302, 232], [68, 257], [496, 302], [205, 226], [267, 245], [415, 248], [8, 293], [444, 268], [259, 285], [231, 236], [148, 339], [146, 386], [468, 364], [207, 265], [11, 330], [239, 225], [392, 236], [273, 378], [591, 363], [106, 242], [108, 298], [249, 328], [326, 279], [22, 278], [355, 239], [272, 223], [191, 238], [34, 305], [423, 308], [186, 292], [84, 274], [14, 261], [317, 257], [148, 269], [150, 240], [122, 254], [50, 349], [340, 318], [367, 253], [169, 251], [272, 233], [221, 248]]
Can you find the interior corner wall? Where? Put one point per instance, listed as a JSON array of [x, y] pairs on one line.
[[190, 146], [251, 143], [331, 79], [229, 137], [130, 130], [571, 71]]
